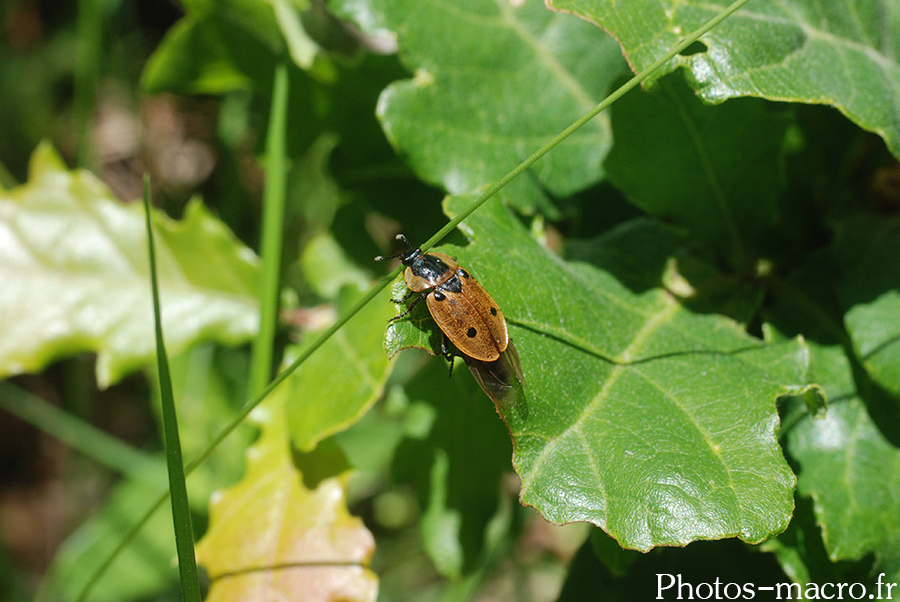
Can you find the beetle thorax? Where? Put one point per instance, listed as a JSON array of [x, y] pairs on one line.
[[410, 257], [429, 270]]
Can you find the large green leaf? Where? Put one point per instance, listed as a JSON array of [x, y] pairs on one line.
[[713, 169], [853, 476], [493, 82], [650, 421], [74, 269], [842, 54]]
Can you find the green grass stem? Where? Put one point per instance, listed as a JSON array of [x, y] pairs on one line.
[[272, 233], [181, 511], [88, 59]]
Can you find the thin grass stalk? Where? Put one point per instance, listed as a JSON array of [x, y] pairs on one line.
[[88, 59], [272, 233], [181, 510]]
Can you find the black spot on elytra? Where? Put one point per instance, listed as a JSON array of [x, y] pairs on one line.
[[438, 296], [493, 311], [471, 332]]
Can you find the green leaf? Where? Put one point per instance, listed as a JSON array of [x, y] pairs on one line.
[[715, 170], [416, 329], [342, 379], [232, 45], [302, 48], [841, 54], [802, 555], [653, 422], [273, 22], [74, 270], [493, 82], [441, 525], [252, 16], [852, 475], [847, 468], [271, 537], [326, 267], [197, 57], [866, 252], [875, 329]]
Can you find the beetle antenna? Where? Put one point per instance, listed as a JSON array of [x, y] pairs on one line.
[[398, 237], [403, 238]]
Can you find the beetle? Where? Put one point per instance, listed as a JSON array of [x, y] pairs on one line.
[[467, 315], [471, 321]]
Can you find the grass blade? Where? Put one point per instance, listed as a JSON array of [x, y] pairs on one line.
[[272, 234], [181, 512], [88, 59]]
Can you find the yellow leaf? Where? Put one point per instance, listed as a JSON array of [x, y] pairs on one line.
[[271, 538]]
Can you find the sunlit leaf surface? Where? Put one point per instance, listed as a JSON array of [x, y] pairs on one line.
[[644, 418], [493, 82], [846, 54], [73, 263]]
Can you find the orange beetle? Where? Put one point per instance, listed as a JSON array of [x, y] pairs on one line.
[[469, 318]]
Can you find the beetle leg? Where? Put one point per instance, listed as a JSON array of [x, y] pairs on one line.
[[411, 305], [448, 355]]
